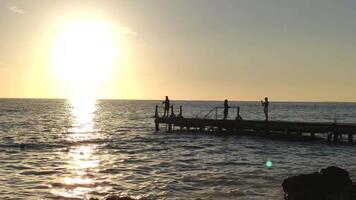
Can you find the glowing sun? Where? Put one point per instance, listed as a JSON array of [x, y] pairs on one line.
[[84, 53]]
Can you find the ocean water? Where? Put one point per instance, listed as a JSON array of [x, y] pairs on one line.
[[57, 149]]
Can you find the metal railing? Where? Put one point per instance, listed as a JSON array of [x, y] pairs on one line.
[[170, 112], [215, 110]]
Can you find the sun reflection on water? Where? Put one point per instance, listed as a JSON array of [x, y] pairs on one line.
[[83, 126], [81, 158]]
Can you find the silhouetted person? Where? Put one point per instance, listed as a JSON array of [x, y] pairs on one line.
[[166, 107], [226, 109], [238, 117], [265, 107]]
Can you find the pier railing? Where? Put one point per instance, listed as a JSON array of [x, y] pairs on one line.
[[170, 112], [216, 111], [285, 128]]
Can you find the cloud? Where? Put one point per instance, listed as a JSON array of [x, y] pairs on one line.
[[126, 30], [17, 10]]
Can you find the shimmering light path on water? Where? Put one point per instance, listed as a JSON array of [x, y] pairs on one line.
[[105, 147], [80, 159]]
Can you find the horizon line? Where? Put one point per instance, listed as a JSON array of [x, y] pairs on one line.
[[196, 100]]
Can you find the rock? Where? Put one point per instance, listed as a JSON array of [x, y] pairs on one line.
[[93, 198], [335, 179], [303, 186], [122, 196], [118, 197], [331, 183], [347, 193]]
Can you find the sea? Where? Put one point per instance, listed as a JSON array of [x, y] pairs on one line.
[[66, 149]]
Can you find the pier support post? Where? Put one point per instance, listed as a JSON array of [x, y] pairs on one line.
[[156, 112], [300, 134], [312, 135], [329, 137], [336, 136], [180, 115], [350, 138], [157, 126], [169, 127], [335, 132], [172, 112]]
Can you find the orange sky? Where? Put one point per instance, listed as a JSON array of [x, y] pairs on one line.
[[202, 50]]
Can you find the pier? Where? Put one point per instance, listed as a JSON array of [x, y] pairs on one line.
[[333, 131]]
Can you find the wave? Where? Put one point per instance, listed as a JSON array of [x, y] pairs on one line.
[[51, 145]]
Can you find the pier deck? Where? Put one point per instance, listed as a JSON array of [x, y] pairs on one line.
[[333, 131]]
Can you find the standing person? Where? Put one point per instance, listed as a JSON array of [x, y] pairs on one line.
[[226, 109], [166, 107], [265, 105]]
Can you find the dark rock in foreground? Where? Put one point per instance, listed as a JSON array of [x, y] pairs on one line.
[[332, 183], [116, 197]]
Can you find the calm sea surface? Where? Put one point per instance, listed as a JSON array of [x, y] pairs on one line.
[[76, 150]]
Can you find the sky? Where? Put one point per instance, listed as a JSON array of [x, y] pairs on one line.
[[194, 50]]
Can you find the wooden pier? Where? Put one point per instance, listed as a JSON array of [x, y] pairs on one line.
[[333, 131]]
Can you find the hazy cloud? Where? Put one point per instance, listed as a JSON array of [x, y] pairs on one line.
[[17, 10], [126, 30]]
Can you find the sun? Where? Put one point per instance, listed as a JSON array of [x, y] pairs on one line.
[[84, 54]]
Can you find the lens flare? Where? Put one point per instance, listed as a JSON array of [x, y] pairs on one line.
[[269, 164]]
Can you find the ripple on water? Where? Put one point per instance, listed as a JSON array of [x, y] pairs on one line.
[[39, 173], [119, 152]]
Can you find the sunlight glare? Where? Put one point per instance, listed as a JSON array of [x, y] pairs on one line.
[[84, 54], [81, 158], [83, 112]]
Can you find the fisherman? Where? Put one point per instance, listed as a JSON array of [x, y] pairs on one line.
[[226, 109], [265, 105], [166, 107], [238, 117]]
